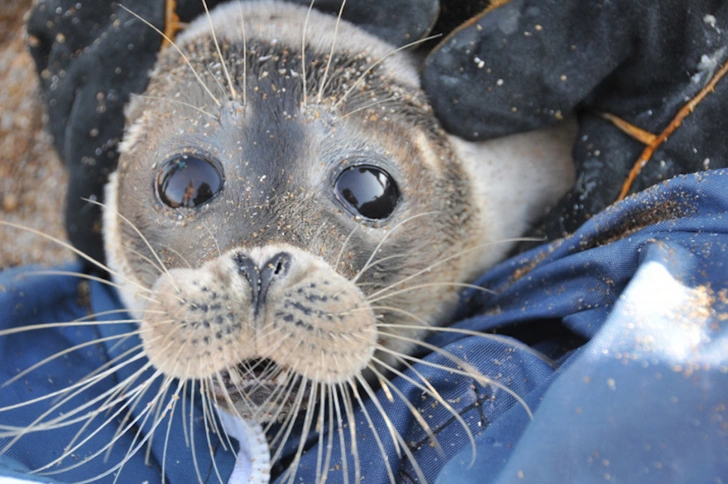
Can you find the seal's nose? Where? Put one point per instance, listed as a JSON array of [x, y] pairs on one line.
[[261, 278]]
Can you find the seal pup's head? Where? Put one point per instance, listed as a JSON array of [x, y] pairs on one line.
[[288, 217]]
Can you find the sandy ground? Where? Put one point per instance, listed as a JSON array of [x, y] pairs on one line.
[[32, 179]]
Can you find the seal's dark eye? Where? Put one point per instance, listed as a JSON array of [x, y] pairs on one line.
[[368, 190], [188, 181]]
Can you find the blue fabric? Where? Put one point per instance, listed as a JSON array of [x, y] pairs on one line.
[[29, 299], [632, 307]]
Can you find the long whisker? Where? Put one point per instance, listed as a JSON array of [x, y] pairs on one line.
[[431, 284], [443, 261], [81, 275], [65, 418], [84, 321], [290, 421], [141, 235], [349, 409], [343, 246], [467, 332], [375, 432], [64, 352], [207, 418], [304, 433], [384, 239], [470, 371], [417, 416], [127, 247], [368, 106], [303, 53], [397, 438], [245, 53], [132, 451], [82, 386], [319, 426], [171, 406], [192, 431], [177, 101], [73, 249], [427, 388]]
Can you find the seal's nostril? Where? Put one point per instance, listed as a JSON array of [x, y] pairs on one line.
[[260, 278], [248, 269], [275, 269], [277, 265]]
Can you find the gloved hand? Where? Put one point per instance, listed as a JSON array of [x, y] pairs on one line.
[[528, 63], [515, 68], [92, 55]]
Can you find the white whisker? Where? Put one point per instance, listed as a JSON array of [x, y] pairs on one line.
[[303, 53], [72, 249], [427, 388], [331, 53], [469, 370], [176, 101], [245, 53], [384, 239], [375, 64], [431, 284], [141, 236], [443, 261], [514, 343], [184, 57], [233, 93]]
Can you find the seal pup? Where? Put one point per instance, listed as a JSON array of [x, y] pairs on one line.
[[288, 220]]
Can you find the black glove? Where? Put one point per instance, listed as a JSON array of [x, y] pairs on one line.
[[530, 62], [90, 59], [91, 55]]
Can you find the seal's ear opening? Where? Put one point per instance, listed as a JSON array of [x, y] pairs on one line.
[[397, 23]]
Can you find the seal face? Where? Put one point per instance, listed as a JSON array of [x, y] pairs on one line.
[[290, 216]]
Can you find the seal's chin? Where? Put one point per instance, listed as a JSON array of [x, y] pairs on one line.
[[260, 390]]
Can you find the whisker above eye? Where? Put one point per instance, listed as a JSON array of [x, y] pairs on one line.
[[177, 101], [176, 47], [233, 92], [331, 53]]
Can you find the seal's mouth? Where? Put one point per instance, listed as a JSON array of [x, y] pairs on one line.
[[260, 389]]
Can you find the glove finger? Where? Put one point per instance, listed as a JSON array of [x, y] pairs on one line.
[[397, 22], [523, 65]]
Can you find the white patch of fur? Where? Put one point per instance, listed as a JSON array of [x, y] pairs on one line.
[[133, 132], [517, 178]]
